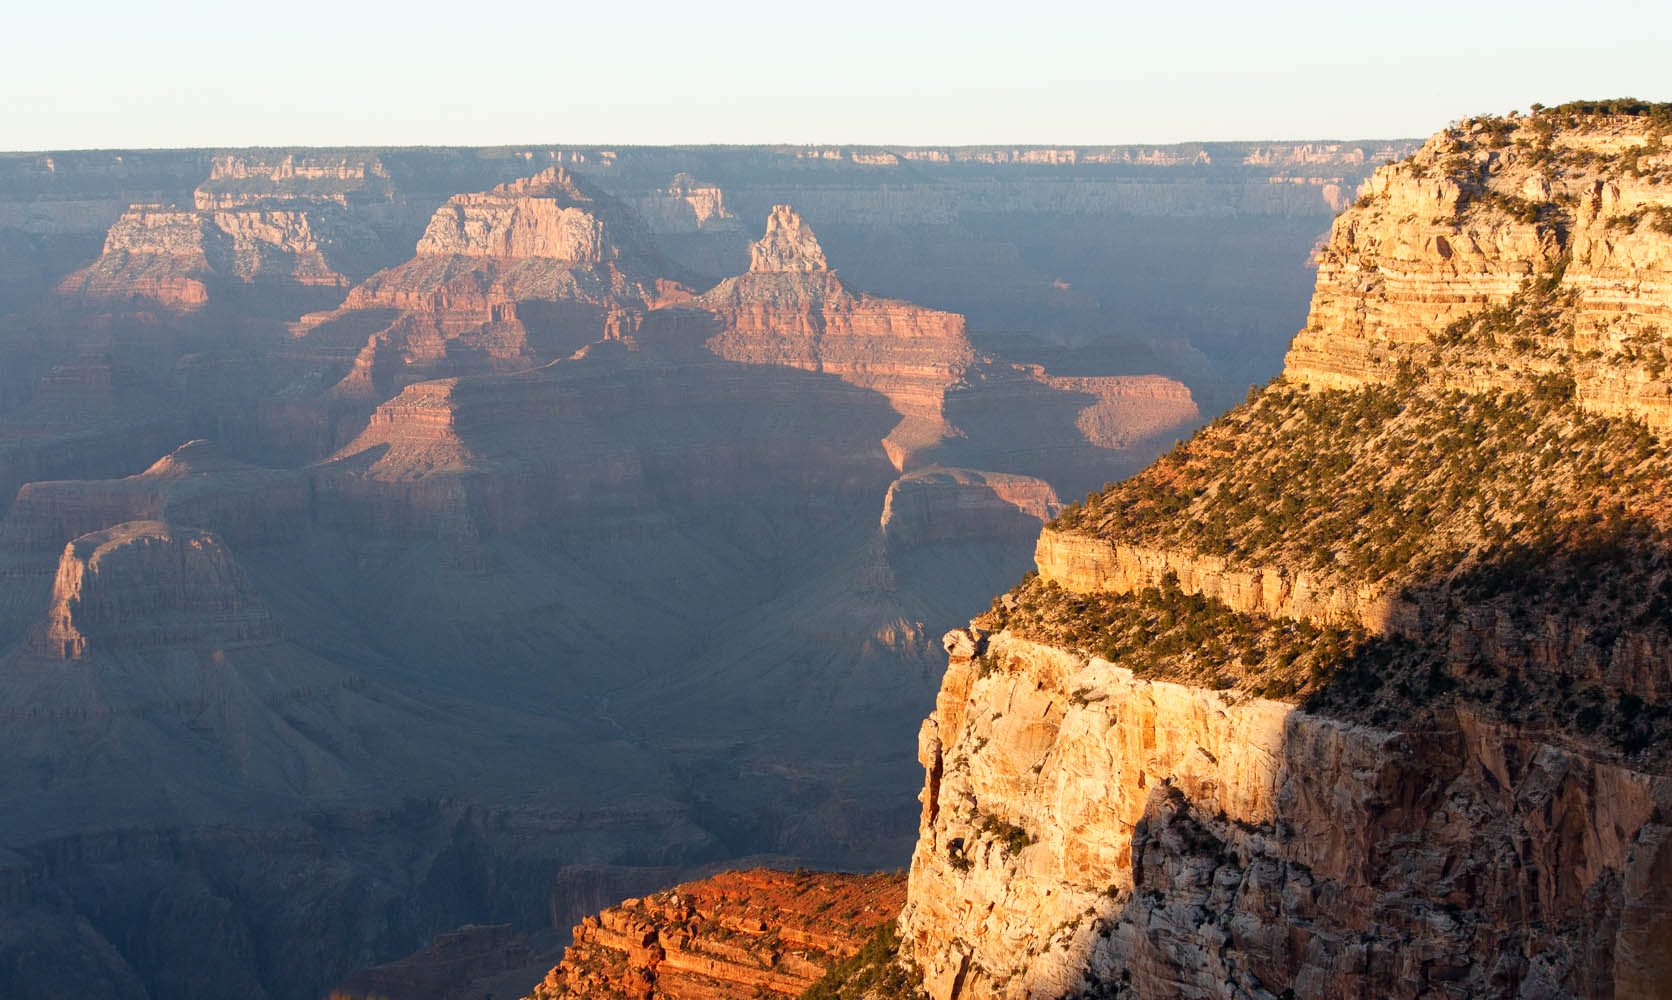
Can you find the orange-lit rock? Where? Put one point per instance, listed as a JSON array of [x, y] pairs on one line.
[[736, 936]]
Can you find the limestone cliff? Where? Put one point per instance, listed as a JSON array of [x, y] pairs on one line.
[[1506, 250], [1363, 690], [736, 936], [240, 180], [687, 205]]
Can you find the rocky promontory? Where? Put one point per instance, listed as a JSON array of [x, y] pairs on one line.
[[142, 583], [1362, 691]]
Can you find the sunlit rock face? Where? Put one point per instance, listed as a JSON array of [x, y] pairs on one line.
[[735, 936], [1363, 690], [1085, 829]]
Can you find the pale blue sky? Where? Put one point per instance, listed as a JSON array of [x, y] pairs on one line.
[[195, 73]]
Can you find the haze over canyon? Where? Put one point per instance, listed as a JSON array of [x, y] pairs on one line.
[[416, 560]]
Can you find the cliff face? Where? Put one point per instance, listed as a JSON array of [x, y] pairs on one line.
[[1362, 691], [240, 180], [1086, 829], [933, 504], [1506, 250], [735, 936]]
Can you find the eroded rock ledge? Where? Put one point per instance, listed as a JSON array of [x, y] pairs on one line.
[[736, 936]]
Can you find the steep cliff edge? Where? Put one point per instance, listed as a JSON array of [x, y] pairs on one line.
[[1363, 691]]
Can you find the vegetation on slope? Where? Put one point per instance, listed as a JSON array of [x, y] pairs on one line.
[[1163, 633], [875, 973], [1387, 485], [1521, 541]]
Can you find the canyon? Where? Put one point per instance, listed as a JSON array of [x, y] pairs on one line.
[[407, 553]]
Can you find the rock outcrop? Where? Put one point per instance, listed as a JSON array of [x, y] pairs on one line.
[[934, 505], [1088, 830], [791, 310], [736, 936], [788, 246], [244, 180], [195, 486], [1363, 690], [502, 280], [171, 259], [687, 205], [1513, 249], [142, 584]]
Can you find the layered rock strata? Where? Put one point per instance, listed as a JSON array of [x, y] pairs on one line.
[[790, 309], [687, 205], [243, 180], [196, 485], [935, 505], [143, 584], [736, 936], [1086, 830], [610, 432], [171, 260], [502, 280], [1512, 249], [1362, 691]]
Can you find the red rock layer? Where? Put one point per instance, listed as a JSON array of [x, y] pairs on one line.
[[736, 936]]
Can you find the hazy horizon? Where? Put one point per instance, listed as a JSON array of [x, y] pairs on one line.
[[116, 76]]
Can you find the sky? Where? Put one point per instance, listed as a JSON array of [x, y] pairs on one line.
[[151, 73]]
